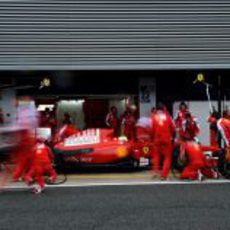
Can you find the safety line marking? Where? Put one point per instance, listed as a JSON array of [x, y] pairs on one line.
[[122, 183]]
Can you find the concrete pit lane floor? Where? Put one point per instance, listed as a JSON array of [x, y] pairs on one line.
[[117, 199], [117, 207], [110, 177]]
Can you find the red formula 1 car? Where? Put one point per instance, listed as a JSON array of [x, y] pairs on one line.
[[99, 147]]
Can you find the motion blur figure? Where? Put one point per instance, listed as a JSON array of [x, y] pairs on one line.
[[112, 121], [144, 129], [196, 162], [27, 115], [23, 154], [187, 127], [65, 131], [27, 122], [47, 119], [67, 119], [128, 122], [190, 128], [163, 131], [41, 166], [181, 114]]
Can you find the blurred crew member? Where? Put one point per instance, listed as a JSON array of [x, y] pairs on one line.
[[23, 154], [144, 129], [41, 165], [66, 131], [163, 131], [67, 119], [190, 128], [196, 167], [128, 123], [47, 119], [112, 121], [153, 110], [181, 114]]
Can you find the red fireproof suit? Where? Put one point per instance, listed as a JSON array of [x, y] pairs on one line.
[[187, 128], [23, 154], [181, 114], [196, 160], [163, 131], [144, 129], [129, 124], [190, 129], [113, 122], [66, 131], [41, 165], [223, 126]]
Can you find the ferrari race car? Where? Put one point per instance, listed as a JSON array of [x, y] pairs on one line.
[[99, 147]]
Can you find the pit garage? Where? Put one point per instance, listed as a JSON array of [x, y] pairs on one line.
[[65, 54], [168, 42]]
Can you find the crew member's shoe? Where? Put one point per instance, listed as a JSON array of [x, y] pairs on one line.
[[20, 179], [200, 176], [37, 189], [216, 175], [155, 176], [164, 178]]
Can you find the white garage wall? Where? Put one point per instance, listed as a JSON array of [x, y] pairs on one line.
[[119, 104], [8, 105], [147, 95], [74, 108]]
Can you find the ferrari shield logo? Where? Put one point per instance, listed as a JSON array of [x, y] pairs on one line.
[[145, 150]]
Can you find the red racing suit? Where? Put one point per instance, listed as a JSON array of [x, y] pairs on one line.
[[181, 114], [190, 129], [66, 131], [163, 131], [23, 155], [223, 126], [187, 129], [196, 160], [112, 121], [129, 124], [41, 165]]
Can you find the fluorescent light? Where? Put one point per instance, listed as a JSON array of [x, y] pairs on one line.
[[42, 107], [81, 101]]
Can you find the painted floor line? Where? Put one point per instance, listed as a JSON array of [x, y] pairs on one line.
[[135, 183]]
